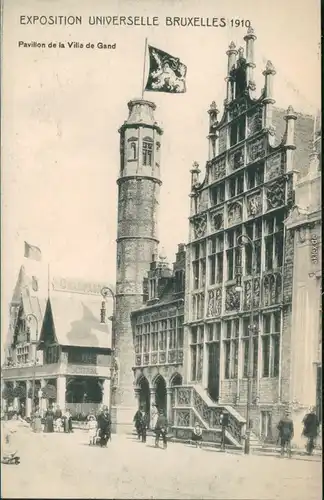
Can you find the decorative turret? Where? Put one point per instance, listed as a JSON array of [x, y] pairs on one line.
[[250, 65], [268, 100], [290, 118], [195, 171], [231, 53], [212, 137]]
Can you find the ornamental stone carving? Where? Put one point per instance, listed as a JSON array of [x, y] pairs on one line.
[[232, 299], [219, 169], [217, 220], [200, 226], [256, 149], [203, 200], [276, 194], [162, 357], [222, 141], [274, 166], [236, 159], [235, 213], [138, 360], [254, 122], [272, 289], [184, 397], [237, 108], [214, 303], [254, 205], [154, 358], [183, 418]]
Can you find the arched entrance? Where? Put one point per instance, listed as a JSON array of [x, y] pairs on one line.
[[160, 393], [144, 394], [176, 379]]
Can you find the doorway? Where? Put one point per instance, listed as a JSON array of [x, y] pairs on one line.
[[144, 394], [161, 394], [213, 370]]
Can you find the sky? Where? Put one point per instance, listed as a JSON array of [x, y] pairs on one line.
[[61, 110]]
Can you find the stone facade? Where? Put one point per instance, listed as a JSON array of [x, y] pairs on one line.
[[238, 237], [158, 334], [137, 239]]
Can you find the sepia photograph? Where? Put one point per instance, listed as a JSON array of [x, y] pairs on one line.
[[161, 249]]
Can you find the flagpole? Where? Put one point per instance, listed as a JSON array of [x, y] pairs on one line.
[[48, 279], [144, 68]]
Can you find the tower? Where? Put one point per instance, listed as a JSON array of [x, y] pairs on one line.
[[137, 240]]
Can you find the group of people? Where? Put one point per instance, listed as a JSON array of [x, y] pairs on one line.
[[159, 425], [310, 431], [99, 427], [55, 420]]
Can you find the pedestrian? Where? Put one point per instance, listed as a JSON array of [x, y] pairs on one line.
[[196, 436], [49, 420], [144, 422], [224, 425], [161, 429], [104, 425], [154, 415], [310, 430], [92, 429], [286, 433], [37, 421], [137, 421]]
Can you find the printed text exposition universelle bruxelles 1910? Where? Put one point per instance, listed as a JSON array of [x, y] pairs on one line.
[[203, 22]]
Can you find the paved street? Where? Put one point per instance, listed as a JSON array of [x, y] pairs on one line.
[[59, 465]]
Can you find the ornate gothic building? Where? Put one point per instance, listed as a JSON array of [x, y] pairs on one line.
[[241, 255]]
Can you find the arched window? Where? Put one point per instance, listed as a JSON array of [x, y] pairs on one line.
[[147, 151], [132, 149]]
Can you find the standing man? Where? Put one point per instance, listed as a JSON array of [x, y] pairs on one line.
[[286, 433], [224, 425], [104, 425], [310, 431], [161, 429]]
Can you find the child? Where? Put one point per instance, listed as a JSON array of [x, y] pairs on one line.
[[92, 429], [58, 425], [197, 435]]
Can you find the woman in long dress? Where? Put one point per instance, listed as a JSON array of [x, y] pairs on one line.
[[37, 421], [49, 420]]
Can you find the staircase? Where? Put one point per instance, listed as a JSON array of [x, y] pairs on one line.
[[191, 404]]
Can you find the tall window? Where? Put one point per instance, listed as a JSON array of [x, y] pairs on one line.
[[273, 241], [235, 185], [217, 194], [172, 333], [233, 252], [245, 345], [23, 354], [271, 344], [163, 335], [254, 231], [216, 247], [147, 151], [196, 350], [254, 176], [199, 264], [179, 281], [132, 151], [155, 335], [237, 130], [231, 348], [198, 304], [180, 332]]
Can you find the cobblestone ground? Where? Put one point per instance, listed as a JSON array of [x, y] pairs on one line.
[[59, 465]]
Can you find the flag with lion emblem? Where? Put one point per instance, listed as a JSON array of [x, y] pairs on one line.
[[166, 73]]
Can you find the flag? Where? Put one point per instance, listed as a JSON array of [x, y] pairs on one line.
[[32, 252], [166, 73]]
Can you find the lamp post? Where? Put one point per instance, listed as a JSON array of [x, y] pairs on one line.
[[106, 292], [29, 317], [243, 240]]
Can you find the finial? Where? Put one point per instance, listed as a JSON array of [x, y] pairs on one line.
[[250, 30], [162, 255], [231, 49], [269, 69], [250, 35], [290, 113], [232, 45], [213, 110], [195, 167], [241, 52]]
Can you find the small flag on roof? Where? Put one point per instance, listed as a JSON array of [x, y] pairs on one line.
[[32, 252]]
